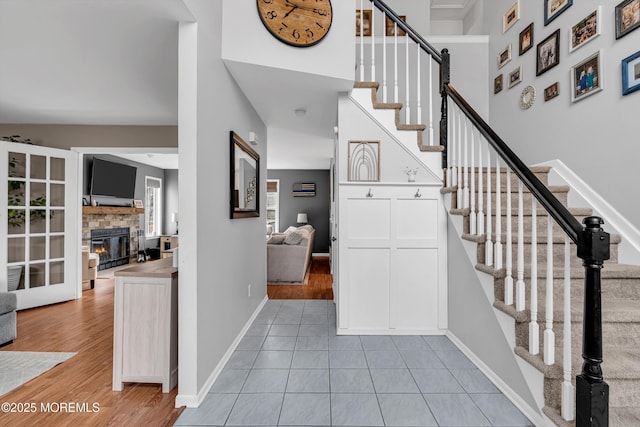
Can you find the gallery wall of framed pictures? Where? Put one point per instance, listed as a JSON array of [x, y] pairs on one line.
[[580, 55]]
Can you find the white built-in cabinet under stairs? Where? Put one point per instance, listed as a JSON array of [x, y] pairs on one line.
[[392, 271]]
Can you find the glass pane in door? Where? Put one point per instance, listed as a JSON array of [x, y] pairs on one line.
[[38, 167], [17, 164], [56, 247], [57, 169], [37, 247], [56, 220], [57, 195], [37, 275], [56, 273], [38, 218], [15, 246]]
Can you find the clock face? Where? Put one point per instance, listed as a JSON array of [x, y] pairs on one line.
[[299, 23]]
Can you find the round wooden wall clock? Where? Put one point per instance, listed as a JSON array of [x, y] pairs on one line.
[[299, 23]]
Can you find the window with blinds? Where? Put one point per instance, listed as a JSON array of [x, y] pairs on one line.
[[152, 212]]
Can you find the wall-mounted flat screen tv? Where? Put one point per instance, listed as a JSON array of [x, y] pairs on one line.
[[113, 179]]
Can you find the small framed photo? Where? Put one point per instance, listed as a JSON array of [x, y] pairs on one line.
[[551, 92], [515, 77], [366, 22], [585, 30], [627, 17], [391, 28], [497, 84], [631, 73], [511, 16], [548, 53], [553, 9], [364, 161], [586, 77], [504, 56], [137, 204], [526, 39]]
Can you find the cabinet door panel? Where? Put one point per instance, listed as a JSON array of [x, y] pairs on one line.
[[369, 288], [415, 289], [417, 219], [368, 219]]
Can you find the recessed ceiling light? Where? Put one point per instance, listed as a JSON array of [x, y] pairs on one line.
[[300, 112]]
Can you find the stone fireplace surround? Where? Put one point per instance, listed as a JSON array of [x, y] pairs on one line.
[[97, 221]]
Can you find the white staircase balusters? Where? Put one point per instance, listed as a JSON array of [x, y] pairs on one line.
[[361, 42], [549, 335], [497, 251], [508, 278], [480, 218], [465, 161], [418, 95], [456, 124], [452, 143], [472, 190], [384, 59], [488, 245], [568, 391], [520, 287], [431, 109], [407, 106], [373, 45], [534, 329], [395, 63]]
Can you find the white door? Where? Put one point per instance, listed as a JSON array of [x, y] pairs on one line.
[[39, 224]]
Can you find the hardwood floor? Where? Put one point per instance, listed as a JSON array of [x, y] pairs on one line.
[[319, 286], [84, 326]]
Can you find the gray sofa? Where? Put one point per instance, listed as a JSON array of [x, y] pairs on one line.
[[289, 255], [8, 304]]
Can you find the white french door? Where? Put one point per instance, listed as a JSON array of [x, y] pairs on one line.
[[39, 247]]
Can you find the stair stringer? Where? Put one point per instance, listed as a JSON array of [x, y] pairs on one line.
[[531, 406], [386, 119]]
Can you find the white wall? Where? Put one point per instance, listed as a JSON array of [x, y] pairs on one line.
[[418, 13], [595, 137], [219, 257], [303, 151], [473, 321], [355, 125], [247, 40]]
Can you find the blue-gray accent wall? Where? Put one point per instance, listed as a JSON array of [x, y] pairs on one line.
[[317, 208]]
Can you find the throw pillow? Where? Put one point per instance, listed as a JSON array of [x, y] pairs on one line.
[[291, 229], [294, 238], [276, 239]]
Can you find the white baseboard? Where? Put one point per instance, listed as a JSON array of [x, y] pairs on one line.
[[629, 248], [533, 414], [343, 331], [193, 401]]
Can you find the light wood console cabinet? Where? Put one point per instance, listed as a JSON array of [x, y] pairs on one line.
[[145, 336]]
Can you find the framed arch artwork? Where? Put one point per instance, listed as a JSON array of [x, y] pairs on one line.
[[364, 161]]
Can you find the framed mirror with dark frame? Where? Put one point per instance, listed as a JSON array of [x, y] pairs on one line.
[[244, 179]]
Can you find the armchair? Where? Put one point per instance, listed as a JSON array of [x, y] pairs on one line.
[[90, 262]]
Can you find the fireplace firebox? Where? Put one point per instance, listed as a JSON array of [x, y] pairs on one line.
[[112, 245]]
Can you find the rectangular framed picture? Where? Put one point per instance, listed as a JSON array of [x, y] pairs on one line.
[[586, 77], [553, 9], [364, 161], [526, 39], [366, 22], [137, 204], [391, 28], [548, 55], [515, 77], [631, 73], [504, 56], [511, 16], [497, 84], [585, 30], [627, 17], [551, 92]]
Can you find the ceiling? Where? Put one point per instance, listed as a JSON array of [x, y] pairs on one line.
[[450, 10], [115, 63]]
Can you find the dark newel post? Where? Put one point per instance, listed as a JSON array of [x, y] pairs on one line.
[[592, 393], [445, 77]]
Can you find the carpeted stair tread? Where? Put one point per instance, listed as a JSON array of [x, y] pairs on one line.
[[389, 106], [432, 148], [609, 271], [366, 85], [411, 127], [618, 417]]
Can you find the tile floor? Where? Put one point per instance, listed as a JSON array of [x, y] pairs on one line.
[[291, 369]]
